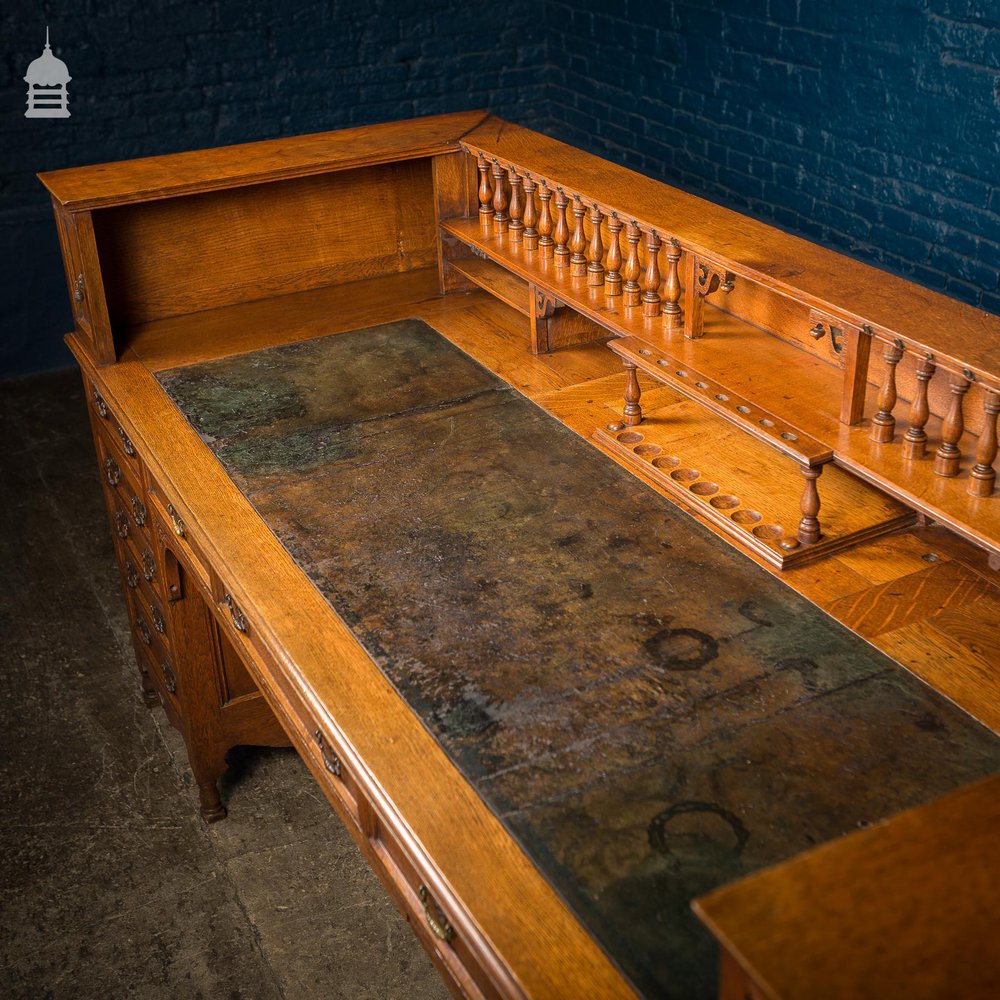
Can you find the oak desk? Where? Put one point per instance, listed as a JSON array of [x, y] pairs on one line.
[[181, 260]]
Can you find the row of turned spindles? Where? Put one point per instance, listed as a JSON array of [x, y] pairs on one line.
[[947, 458], [545, 228]]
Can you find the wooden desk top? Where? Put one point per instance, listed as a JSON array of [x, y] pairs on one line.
[[911, 901], [647, 712]]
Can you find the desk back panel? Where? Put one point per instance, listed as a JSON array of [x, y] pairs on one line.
[[647, 711], [182, 255]]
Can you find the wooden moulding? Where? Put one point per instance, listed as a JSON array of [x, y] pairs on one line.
[[734, 481]]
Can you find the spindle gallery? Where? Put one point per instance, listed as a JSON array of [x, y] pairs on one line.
[[568, 526]]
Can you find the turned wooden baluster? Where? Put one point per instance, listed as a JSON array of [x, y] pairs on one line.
[[578, 241], [948, 456], [631, 292], [595, 249], [613, 277], [915, 439], [632, 411], [651, 280], [672, 288], [500, 216], [530, 215], [809, 528], [884, 423], [561, 233], [545, 241], [485, 192], [982, 477], [516, 206]]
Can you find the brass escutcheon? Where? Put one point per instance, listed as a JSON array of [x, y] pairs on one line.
[[330, 760], [239, 619], [138, 511], [169, 680], [148, 565], [436, 920], [112, 472], [121, 523], [175, 520], [158, 623], [126, 442], [99, 404]]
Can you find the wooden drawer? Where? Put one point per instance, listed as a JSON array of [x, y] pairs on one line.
[[176, 536], [113, 434], [149, 622], [429, 911], [125, 486]]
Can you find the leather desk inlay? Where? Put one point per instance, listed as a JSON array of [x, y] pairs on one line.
[[647, 711]]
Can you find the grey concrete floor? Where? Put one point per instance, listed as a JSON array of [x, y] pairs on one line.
[[111, 886]]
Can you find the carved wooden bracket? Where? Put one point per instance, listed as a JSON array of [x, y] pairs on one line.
[[546, 304], [711, 279]]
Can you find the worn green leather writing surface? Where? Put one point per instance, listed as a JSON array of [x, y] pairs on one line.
[[646, 710]]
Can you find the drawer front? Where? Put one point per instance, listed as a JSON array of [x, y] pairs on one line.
[[429, 911], [176, 534], [126, 488], [113, 434]]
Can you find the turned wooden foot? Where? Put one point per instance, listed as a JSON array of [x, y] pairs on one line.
[[149, 696], [207, 772], [211, 807]]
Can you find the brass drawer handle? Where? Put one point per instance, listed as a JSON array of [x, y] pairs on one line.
[[239, 619], [169, 680], [148, 565], [143, 629], [131, 576], [121, 523], [126, 442], [436, 920], [158, 623], [330, 760], [138, 511], [99, 404], [176, 521], [112, 472], [78, 289]]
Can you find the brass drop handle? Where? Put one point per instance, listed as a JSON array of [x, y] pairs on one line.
[[239, 619], [99, 404], [112, 471], [176, 521], [78, 288], [818, 331], [330, 760], [436, 920]]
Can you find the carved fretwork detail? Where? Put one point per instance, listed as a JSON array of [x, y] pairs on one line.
[[712, 279]]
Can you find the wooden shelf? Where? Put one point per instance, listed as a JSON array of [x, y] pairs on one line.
[[496, 280], [750, 417], [797, 391], [730, 477]]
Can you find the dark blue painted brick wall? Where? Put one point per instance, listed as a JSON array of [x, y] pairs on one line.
[[867, 125], [164, 76], [872, 126]]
